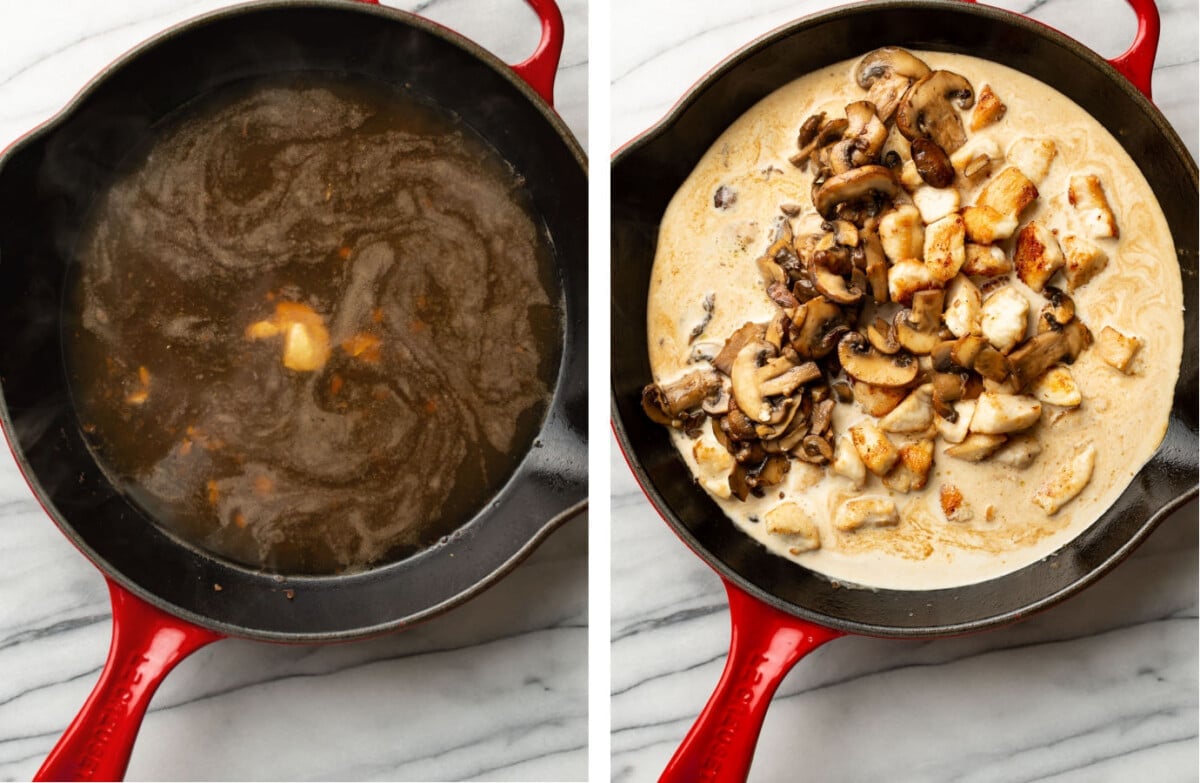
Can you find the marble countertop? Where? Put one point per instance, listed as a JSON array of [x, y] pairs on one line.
[[1101, 688], [494, 690]]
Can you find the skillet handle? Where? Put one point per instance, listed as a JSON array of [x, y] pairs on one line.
[[764, 645], [541, 67], [1137, 63], [146, 644]]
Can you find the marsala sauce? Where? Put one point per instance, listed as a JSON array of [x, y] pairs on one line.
[[703, 250], [410, 240]]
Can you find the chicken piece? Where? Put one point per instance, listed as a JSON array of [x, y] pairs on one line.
[[955, 432], [1087, 196], [954, 506], [902, 233], [1082, 261], [1000, 414], [976, 447], [974, 160], [985, 225], [944, 247], [1037, 255], [874, 447], [1032, 156], [1068, 482], [986, 260], [989, 109], [914, 414], [1009, 192], [846, 462], [1116, 349], [866, 512], [1019, 452], [794, 522], [713, 464], [907, 277], [909, 177], [877, 400], [935, 203], [912, 469], [1004, 318], [964, 307], [1057, 386]]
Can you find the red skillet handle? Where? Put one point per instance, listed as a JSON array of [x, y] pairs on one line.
[[764, 645], [1137, 63], [542, 66], [146, 645]]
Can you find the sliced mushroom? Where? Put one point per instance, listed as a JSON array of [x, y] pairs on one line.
[[918, 330], [828, 133], [815, 449], [871, 183], [862, 141], [932, 162], [875, 259], [833, 286], [749, 332], [817, 325], [863, 363], [886, 74], [1042, 351], [928, 109], [882, 336], [668, 403]]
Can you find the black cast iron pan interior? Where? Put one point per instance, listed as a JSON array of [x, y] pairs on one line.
[[49, 180], [645, 176]]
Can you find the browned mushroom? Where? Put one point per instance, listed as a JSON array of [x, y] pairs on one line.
[[918, 330], [928, 109], [862, 141], [1042, 351], [749, 332], [870, 184], [816, 327], [932, 162], [886, 74], [864, 363]]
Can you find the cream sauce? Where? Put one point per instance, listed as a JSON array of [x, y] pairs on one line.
[[703, 250]]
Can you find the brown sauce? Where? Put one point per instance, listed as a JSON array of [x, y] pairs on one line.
[[312, 326]]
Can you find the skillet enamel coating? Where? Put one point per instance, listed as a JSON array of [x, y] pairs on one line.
[[164, 601], [779, 609]]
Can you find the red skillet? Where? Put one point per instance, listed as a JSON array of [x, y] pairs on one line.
[[779, 610], [164, 602]]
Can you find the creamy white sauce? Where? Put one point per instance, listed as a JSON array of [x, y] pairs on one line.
[[703, 250]]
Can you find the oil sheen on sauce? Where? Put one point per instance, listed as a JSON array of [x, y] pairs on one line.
[[312, 326], [703, 250]]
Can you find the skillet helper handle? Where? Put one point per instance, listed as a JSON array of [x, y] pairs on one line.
[[1137, 63], [541, 68], [146, 645], [764, 645]]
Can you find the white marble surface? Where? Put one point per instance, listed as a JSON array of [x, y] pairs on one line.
[[495, 690], [1101, 688]]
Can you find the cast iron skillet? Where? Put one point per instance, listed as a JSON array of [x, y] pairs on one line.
[[780, 610], [164, 601]]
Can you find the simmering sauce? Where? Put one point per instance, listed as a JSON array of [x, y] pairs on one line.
[[312, 326], [708, 245]]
